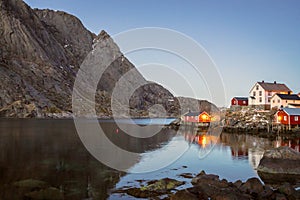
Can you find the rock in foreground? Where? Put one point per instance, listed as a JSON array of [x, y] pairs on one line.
[[209, 186], [280, 165]]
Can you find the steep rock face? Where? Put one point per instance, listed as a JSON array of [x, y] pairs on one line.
[[41, 52], [122, 90], [35, 65], [68, 32], [40, 55]]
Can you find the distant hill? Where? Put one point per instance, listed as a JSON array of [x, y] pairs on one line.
[[40, 54], [191, 104]]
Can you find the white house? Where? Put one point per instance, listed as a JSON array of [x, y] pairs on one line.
[[262, 92], [284, 100]]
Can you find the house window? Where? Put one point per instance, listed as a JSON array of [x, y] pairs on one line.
[[273, 101], [278, 101], [260, 93], [285, 118], [254, 94], [285, 101], [257, 87], [270, 93], [296, 118], [269, 100], [260, 99]]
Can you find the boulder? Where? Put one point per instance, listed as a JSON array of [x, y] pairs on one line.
[[282, 160], [252, 185], [280, 165], [183, 195]]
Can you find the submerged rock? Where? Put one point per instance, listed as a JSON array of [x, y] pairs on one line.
[[162, 185], [30, 184], [186, 175], [50, 193], [154, 188]]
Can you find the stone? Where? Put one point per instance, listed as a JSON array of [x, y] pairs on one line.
[[183, 195], [283, 160], [186, 175], [280, 165], [280, 197], [286, 189], [266, 193], [30, 184], [238, 183], [50, 193], [154, 188], [252, 185], [162, 185], [205, 178]]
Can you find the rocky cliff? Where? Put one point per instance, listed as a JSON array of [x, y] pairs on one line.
[[38, 58], [41, 52]]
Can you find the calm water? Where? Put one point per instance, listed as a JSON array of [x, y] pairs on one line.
[[51, 151]]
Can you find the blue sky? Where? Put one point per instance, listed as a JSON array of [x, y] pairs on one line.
[[248, 40]]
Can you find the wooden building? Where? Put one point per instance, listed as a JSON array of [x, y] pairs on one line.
[[283, 100], [197, 117], [289, 117], [239, 101], [262, 92]]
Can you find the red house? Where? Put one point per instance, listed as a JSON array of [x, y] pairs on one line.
[[239, 101], [202, 117], [288, 116]]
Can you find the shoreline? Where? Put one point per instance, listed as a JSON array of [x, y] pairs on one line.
[[210, 186]]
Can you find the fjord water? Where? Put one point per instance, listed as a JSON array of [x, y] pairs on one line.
[[51, 151]]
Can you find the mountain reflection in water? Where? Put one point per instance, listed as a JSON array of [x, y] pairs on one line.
[[51, 151]]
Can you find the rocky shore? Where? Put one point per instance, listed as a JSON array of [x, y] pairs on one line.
[[279, 169], [209, 186]]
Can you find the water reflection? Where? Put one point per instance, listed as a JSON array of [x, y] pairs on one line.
[[242, 146], [51, 151]]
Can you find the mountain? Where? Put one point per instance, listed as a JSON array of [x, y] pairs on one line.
[[38, 59], [41, 52]]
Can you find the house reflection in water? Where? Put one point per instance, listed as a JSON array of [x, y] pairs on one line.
[[203, 139], [252, 148], [294, 144], [242, 146]]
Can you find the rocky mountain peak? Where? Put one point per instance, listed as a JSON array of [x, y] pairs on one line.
[[40, 55], [103, 35]]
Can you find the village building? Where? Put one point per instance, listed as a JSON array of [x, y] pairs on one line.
[[284, 100], [262, 92], [289, 117], [197, 117], [239, 101], [293, 105]]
